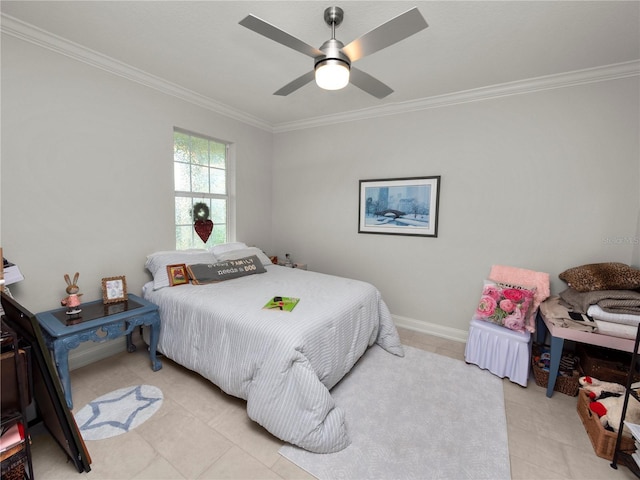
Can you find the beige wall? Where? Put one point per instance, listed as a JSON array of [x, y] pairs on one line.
[[87, 175], [546, 181]]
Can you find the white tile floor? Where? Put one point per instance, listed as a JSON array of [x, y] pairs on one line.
[[202, 433]]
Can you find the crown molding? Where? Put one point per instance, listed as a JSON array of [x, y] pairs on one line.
[[29, 33], [561, 80]]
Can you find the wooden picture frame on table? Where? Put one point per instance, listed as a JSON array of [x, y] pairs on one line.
[[400, 206], [114, 289], [177, 274]]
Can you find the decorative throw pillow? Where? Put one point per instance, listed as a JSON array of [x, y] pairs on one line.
[[508, 306], [245, 252], [204, 273], [522, 276], [602, 276], [227, 247], [157, 263]]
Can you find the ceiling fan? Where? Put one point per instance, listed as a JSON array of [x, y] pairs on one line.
[[333, 61]]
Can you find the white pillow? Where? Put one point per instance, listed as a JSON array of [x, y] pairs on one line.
[[157, 263], [245, 252], [226, 247]]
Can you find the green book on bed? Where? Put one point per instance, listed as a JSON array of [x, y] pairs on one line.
[[285, 304]]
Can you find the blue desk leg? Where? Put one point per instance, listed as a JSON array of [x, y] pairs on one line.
[[153, 343], [131, 347], [557, 345]]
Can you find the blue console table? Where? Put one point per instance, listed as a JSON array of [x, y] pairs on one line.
[[97, 322]]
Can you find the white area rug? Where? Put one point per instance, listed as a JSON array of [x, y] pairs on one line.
[[118, 412], [423, 416]]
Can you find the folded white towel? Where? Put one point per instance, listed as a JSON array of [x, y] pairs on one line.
[[616, 329], [623, 318]]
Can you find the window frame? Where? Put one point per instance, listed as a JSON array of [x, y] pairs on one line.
[[229, 197]]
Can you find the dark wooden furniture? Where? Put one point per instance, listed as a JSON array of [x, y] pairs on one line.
[[51, 408], [15, 398]]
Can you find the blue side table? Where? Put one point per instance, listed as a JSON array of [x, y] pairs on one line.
[[97, 322]]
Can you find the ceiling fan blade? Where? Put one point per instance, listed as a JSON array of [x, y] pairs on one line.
[[396, 29], [369, 84], [274, 33], [296, 84]]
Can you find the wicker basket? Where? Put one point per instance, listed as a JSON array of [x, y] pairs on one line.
[[567, 384], [603, 441]]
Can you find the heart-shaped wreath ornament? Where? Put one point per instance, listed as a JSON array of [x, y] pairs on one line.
[[202, 225]]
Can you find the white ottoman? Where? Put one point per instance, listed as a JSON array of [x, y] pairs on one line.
[[503, 352]]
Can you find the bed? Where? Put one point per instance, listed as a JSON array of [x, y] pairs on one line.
[[283, 364]]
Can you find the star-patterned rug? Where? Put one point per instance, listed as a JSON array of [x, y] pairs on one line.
[[118, 412]]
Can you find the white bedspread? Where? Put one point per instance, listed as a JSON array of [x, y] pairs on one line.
[[282, 363]]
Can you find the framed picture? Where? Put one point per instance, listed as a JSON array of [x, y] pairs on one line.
[[114, 289], [177, 274], [400, 206]]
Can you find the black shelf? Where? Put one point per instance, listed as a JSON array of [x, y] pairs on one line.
[[628, 461], [623, 458]]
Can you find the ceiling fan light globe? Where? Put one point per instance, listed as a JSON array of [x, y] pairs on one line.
[[332, 74]]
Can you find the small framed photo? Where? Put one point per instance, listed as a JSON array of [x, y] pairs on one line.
[[177, 274], [400, 206], [114, 289]]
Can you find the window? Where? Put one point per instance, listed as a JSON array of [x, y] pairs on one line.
[[201, 175]]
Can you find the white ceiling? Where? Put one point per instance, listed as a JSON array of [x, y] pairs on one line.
[[200, 47]]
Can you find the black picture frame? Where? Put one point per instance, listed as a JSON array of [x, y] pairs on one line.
[[400, 206], [47, 390]]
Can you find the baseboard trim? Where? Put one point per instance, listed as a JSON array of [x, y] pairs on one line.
[[431, 328]]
